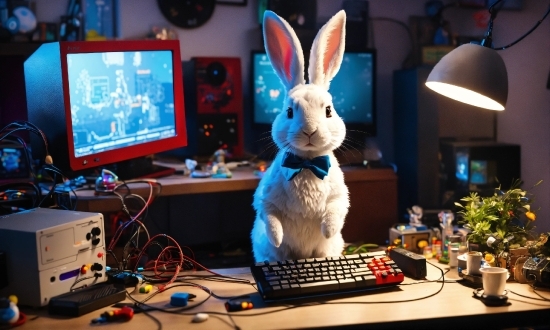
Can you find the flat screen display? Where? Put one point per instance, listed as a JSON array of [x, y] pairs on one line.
[[478, 172], [352, 89], [13, 162], [462, 167], [120, 99]]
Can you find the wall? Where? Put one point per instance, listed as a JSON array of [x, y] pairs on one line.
[[233, 31]]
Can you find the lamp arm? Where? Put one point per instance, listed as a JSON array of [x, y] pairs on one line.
[[488, 39], [495, 12], [526, 34]]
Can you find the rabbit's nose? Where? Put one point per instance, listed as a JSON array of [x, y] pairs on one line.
[[309, 134]]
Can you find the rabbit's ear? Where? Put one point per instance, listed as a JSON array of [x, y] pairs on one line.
[[327, 51], [283, 49]]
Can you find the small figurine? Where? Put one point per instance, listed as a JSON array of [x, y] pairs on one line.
[[415, 215], [191, 164], [219, 156], [9, 312]]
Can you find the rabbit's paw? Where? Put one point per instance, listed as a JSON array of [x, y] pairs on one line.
[[274, 230], [329, 227]]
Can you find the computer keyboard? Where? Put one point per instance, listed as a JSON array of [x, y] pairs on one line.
[[303, 278]]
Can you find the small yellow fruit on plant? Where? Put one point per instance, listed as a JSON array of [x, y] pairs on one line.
[[490, 259]]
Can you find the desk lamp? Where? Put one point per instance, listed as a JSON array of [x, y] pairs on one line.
[[474, 73]]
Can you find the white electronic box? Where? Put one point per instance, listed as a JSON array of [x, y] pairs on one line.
[[51, 251]]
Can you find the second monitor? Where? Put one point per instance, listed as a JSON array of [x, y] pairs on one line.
[[353, 90]]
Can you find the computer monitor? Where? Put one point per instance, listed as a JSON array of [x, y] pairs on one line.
[[106, 102], [352, 89], [477, 166]]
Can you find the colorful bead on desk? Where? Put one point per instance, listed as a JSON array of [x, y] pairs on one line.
[[124, 314], [146, 289], [179, 299], [238, 304]]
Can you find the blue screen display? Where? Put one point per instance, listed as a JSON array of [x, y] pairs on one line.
[[119, 99], [352, 89], [462, 167], [13, 162], [478, 172]]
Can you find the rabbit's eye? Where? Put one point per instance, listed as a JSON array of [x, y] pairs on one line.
[[289, 113], [328, 111]]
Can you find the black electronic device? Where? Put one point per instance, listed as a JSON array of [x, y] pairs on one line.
[[87, 300], [15, 165], [477, 166], [537, 270], [217, 131], [213, 107], [412, 264]]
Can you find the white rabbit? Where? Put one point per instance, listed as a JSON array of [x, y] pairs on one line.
[[300, 212]]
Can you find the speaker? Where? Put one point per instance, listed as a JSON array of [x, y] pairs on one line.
[[219, 105]]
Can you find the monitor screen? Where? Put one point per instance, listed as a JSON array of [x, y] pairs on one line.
[[13, 162], [478, 172], [352, 90], [462, 167], [119, 100]]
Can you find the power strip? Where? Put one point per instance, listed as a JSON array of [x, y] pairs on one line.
[[412, 264], [87, 300]]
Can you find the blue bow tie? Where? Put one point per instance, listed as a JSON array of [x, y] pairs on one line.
[[318, 165]]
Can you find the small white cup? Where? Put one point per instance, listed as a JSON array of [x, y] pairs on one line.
[[494, 280], [473, 262]]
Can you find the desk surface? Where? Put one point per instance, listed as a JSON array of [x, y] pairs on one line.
[[243, 179], [421, 306]]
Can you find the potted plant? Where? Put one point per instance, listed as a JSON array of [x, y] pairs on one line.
[[499, 222]]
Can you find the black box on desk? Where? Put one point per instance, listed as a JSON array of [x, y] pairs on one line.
[[412, 264]]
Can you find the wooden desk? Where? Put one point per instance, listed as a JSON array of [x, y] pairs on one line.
[[452, 308], [373, 198]]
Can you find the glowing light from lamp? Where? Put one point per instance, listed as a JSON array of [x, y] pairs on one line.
[[464, 95]]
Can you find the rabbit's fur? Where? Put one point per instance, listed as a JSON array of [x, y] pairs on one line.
[[303, 217]]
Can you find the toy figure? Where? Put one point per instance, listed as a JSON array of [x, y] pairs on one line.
[[302, 200], [415, 215], [9, 312], [219, 156]]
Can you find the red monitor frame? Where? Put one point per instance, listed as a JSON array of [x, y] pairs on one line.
[[45, 110]]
